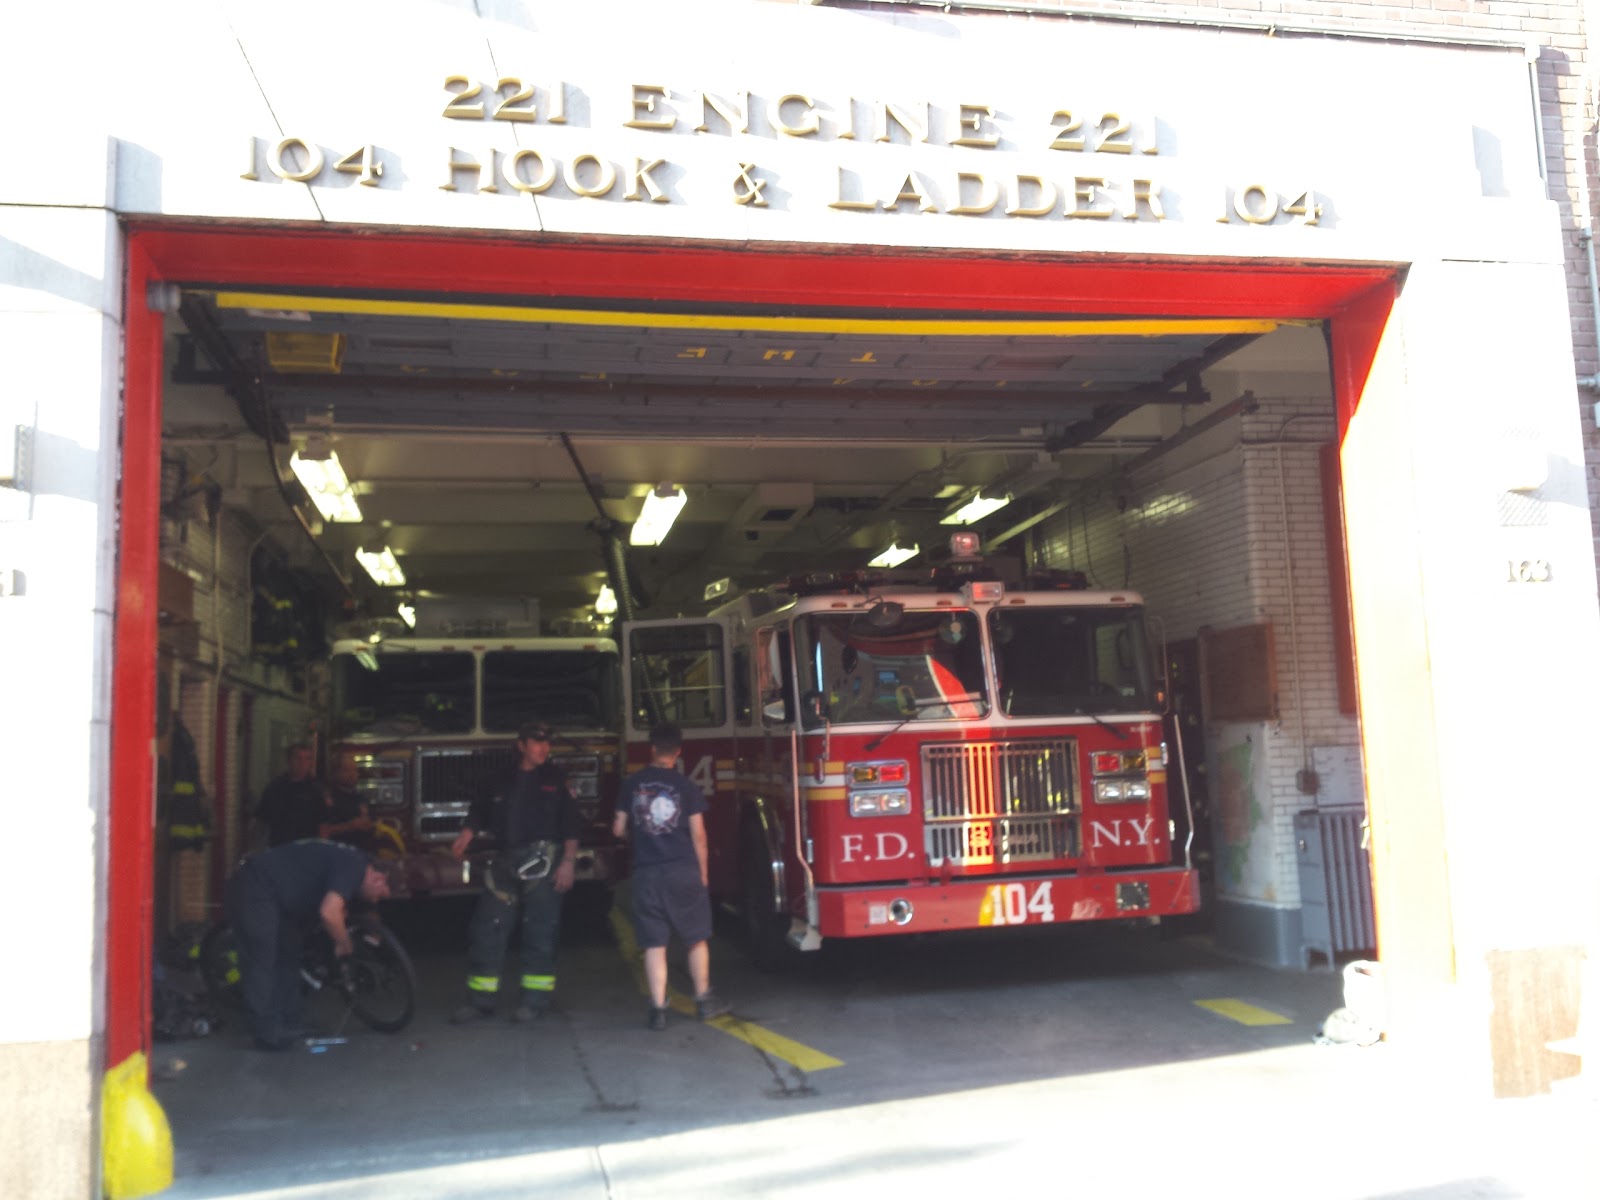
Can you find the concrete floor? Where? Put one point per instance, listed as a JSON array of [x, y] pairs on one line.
[[1061, 1060]]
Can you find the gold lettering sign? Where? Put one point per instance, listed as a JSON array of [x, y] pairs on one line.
[[894, 182]]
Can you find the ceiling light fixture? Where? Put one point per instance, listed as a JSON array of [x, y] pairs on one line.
[[325, 482], [979, 507], [382, 566], [661, 508], [606, 602], [408, 614], [894, 554]]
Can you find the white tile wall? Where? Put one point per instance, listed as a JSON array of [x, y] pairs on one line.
[[1219, 537]]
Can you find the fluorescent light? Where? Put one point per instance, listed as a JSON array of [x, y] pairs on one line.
[[408, 614], [979, 507], [382, 566], [606, 602], [894, 554], [325, 482], [661, 508]]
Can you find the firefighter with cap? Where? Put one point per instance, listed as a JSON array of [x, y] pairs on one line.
[[533, 817]]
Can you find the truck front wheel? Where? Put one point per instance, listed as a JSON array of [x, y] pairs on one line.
[[765, 928]]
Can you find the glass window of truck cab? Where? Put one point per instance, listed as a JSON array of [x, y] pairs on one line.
[[399, 693], [678, 676], [871, 666], [1069, 660], [567, 689]]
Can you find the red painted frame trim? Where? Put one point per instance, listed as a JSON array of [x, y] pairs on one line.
[[1355, 299], [130, 871], [783, 278]]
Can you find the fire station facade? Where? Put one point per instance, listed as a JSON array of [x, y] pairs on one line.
[[1177, 166]]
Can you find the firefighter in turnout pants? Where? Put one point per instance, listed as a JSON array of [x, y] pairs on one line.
[[534, 817]]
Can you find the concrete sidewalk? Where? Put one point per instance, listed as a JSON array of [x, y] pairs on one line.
[[1311, 1122], [1093, 1065]]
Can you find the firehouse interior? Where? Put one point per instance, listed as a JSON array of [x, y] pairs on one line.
[[348, 470]]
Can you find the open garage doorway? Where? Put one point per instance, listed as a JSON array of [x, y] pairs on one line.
[[1166, 428]]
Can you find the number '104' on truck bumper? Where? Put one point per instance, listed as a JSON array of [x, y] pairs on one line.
[[929, 907]]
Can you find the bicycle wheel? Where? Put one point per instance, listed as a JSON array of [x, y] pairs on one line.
[[381, 983]]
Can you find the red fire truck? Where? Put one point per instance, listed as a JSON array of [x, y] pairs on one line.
[[905, 751], [432, 722]]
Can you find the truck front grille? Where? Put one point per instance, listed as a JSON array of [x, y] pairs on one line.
[[992, 803], [450, 780], [1008, 840]]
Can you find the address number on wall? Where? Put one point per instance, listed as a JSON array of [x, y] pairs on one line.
[[1527, 570]]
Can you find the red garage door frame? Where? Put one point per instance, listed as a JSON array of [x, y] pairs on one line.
[[1355, 300]]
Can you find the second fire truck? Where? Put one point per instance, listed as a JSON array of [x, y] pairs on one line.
[[901, 751], [432, 723]]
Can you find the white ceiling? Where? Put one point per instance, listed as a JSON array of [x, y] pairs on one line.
[[452, 432]]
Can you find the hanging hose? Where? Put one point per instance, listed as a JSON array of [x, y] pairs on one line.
[[613, 549]]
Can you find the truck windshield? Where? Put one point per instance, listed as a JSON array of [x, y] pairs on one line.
[[410, 692], [568, 689], [917, 665], [1067, 661]]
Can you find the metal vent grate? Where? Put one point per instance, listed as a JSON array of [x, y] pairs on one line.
[[1335, 882]]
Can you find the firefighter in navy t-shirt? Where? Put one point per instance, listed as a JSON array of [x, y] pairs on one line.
[[667, 810], [292, 805]]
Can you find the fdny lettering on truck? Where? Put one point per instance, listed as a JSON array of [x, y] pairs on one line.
[[1124, 831], [882, 847]]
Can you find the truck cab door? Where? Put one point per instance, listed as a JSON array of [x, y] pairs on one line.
[[678, 670]]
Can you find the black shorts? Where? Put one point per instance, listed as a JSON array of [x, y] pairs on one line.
[[670, 899]]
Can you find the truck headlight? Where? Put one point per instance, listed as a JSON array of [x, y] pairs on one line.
[[893, 803], [1121, 791]]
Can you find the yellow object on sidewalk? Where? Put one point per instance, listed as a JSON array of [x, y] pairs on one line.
[[136, 1141]]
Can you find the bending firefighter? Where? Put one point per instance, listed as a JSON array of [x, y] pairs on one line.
[[534, 819], [271, 899]]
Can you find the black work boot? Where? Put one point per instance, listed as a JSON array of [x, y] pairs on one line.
[[710, 1005], [470, 1012]]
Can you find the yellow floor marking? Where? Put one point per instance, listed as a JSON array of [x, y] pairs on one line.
[[775, 1044], [761, 1038], [1245, 1014]]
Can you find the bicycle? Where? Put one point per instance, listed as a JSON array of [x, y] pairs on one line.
[[376, 982]]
